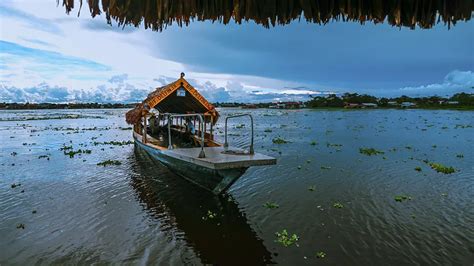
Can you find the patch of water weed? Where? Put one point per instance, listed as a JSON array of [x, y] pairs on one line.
[[370, 151], [115, 143], [43, 156], [325, 167], [284, 239], [320, 255], [460, 155], [20, 226], [313, 143], [80, 151], [333, 145], [271, 205], [65, 148], [209, 215], [312, 188], [401, 198], [441, 168], [109, 162], [338, 205], [279, 141], [418, 169]]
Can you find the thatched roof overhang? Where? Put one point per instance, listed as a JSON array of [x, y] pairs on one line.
[[157, 14], [166, 100]]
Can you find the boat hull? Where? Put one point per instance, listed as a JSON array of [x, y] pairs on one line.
[[215, 180]]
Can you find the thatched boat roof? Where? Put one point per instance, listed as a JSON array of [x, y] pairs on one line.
[[157, 14], [167, 99]]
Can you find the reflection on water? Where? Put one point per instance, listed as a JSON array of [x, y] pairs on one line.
[[182, 207]]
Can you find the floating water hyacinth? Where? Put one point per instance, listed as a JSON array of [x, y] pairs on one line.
[[370, 151], [279, 141], [271, 205], [72, 153], [209, 215], [109, 162], [320, 255], [441, 168], [286, 240], [401, 198], [338, 205]]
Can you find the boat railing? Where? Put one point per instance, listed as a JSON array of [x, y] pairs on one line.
[[226, 143], [170, 116]]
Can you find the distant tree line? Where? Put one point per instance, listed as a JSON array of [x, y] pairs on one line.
[[457, 100], [18, 106], [332, 100]]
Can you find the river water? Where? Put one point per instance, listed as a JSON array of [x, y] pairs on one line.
[[57, 209]]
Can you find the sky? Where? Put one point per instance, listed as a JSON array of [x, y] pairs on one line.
[[49, 56]]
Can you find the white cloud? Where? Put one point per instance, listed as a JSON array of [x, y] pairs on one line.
[[454, 82]]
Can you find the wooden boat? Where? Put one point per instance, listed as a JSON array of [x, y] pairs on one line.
[[174, 125]]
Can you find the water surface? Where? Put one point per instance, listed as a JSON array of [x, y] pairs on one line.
[[75, 211]]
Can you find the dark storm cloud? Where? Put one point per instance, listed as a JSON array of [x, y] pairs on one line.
[[345, 55]]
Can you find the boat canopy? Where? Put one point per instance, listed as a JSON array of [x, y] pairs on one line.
[[178, 97]]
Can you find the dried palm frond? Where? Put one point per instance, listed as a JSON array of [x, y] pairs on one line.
[[158, 14]]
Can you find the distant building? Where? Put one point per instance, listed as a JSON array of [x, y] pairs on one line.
[[249, 106], [288, 105], [392, 103], [407, 105], [369, 105], [352, 105]]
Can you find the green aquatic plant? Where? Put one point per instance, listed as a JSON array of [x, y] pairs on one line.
[[109, 162], [271, 205], [65, 148], [418, 169], [209, 215], [444, 194], [338, 205], [325, 167], [312, 188], [286, 240], [460, 155], [20, 226], [72, 153], [401, 198], [279, 141], [115, 143], [313, 143], [441, 168], [370, 151], [320, 255], [43, 156]]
